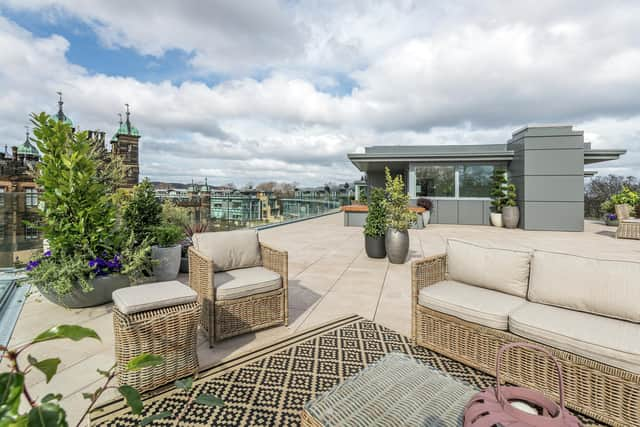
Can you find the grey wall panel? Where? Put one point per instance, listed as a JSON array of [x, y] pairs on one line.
[[537, 131], [555, 188], [486, 209], [471, 212], [434, 213], [447, 212], [554, 162], [559, 216], [375, 179], [555, 142]]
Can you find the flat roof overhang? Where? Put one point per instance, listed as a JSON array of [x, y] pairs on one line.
[[369, 161], [595, 156]]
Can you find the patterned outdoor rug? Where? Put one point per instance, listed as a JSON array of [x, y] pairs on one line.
[[270, 386]]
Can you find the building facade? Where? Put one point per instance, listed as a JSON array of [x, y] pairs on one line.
[[546, 163]]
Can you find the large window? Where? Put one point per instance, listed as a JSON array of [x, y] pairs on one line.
[[475, 180], [453, 180], [435, 181]]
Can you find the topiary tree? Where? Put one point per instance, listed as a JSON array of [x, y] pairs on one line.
[[498, 191], [510, 195], [376, 223], [399, 217], [143, 212]]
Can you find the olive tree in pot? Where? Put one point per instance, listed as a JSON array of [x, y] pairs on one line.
[[166, 252], [427, 205], [399, 218], [498, 196], [510, 210], [89, 253], [375, 225]]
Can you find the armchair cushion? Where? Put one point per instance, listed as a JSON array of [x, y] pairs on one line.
[[610, 341], [500, 269], [229, 249], [244, 282], [471, 303], [600, 286]]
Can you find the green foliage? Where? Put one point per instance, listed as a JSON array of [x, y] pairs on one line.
[[49, 412], [376, 222], [599, 189], [498, 190], [626, 197], [510, 195], [167, 235], [143, 212], [173, 214], [399, 217], [77, 211]]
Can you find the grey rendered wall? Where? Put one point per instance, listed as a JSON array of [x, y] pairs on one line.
[[470, 212], [548, 171]]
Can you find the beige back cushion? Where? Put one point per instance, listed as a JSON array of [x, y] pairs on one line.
[[606, 287], [500, 269], [230, 249]]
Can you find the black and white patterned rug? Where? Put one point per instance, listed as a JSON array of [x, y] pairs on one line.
[[269, 387]]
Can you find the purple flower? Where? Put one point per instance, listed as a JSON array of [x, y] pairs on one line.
[[92, 263], [611, 217], [47, 254], [32, 264]]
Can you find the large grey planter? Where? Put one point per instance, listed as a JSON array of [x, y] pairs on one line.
[[103, 287], [397, 245], [375, 247], [510, 216], [168, 262]]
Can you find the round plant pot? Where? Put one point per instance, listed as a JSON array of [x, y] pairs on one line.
[[168, 263], [103, 287], [511, 216], [397, 245], [496, 219], [426, 216], [374, 246]]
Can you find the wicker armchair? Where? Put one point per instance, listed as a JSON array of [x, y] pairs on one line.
[[604, 392], [628, 226], [225, 318]]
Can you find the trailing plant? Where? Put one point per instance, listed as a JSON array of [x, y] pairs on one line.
[[77, 214], [399, 217], [425, 203], [376, 223], [143, 212], [167, 235], [48, 412], [498, 191]]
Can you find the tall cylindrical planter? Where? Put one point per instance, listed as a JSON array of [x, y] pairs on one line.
[[426, 217], [397, 245], [375, 246], [510, 216], [168, 262]]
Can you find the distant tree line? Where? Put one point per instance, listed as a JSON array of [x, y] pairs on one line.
[[601, 188]]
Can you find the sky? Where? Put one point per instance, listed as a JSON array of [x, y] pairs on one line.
[[247, 92]]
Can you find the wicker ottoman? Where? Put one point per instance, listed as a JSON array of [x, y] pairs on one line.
[[158, 318], [396, 391]]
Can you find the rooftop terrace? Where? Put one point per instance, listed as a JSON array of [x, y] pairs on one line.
[[329, 276]]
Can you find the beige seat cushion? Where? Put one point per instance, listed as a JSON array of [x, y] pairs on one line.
[[230, 249], [607, 287], [471, 303], [152, 296], [500, 269], [610, 341], [245, 281]]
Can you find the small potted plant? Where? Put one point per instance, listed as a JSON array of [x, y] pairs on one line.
[[510, 210], [399, 219], [375, 225], [611, 219], [499, 182], [166, 252], [427, 205]]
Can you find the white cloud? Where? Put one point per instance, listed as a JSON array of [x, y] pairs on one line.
[[424, 73]]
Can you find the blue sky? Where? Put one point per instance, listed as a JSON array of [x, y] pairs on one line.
[[281, 90]]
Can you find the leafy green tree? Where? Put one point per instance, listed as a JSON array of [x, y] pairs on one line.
[[376, 223], [143, 212], [399, 217], [498, 191]]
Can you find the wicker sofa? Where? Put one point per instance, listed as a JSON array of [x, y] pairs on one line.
[[242, 284], [628, 226], [474, 298]]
